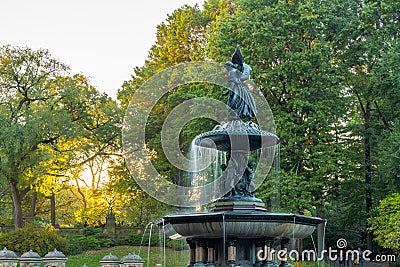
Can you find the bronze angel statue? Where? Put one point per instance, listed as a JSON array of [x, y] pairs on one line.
[[240, 100]]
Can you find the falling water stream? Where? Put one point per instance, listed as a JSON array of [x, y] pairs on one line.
[[205, 166], [149, 245], [175, 253], [144, 233]]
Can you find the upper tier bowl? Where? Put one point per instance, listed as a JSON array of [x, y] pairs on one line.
[[243, 137]]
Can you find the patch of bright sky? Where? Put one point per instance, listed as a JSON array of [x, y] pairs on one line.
[[102, 39]]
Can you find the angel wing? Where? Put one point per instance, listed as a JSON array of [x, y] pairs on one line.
[[237, 59], [246, 72]]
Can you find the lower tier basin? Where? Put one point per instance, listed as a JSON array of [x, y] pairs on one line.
[[243, 224]]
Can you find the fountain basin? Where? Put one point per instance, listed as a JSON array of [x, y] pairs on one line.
[[236, 136], [249, 140], [246, 225]]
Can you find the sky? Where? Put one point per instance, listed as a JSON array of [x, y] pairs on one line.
[[102, 39]]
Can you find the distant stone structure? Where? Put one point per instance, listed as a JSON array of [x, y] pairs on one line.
[[111, 223]]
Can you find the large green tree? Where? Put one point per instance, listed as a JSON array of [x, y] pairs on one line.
[[181, 38], [32, 116], [328, 71], [49, 120], [284, 42], [365, 45]]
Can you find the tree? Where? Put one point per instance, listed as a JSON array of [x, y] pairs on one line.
[[130, 204], [361, 46], [48, 119], [284, 43], [97, 142], [181, 38], [31, 116], [385, 225], [389, 154]]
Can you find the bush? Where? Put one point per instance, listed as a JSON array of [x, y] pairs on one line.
[[79, 244], [92, 231], [91, 239], [107, 242], [30, 237], [135, 239], [176, 244]]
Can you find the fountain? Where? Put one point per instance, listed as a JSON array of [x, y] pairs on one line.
[[238, 229]]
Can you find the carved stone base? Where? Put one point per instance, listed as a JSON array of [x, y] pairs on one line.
[[269, 264], [238, 206]]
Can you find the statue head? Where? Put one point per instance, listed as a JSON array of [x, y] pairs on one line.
[[228, 65], [223, 166]]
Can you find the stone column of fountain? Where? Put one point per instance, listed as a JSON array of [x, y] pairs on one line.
[[238, 227]]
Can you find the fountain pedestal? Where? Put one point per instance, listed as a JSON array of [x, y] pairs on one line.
[[238, 206], [238, 228]]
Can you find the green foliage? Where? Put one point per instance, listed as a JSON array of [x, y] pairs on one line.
[[31, 118], [91, 239], [285, 44], [385, 225], [180, 38], [390, 160], [50, 122], [329, 71], [176, 244], [6, 212], [135, 239], [92, 231], [30, 237], [79, 244], [98, 233]]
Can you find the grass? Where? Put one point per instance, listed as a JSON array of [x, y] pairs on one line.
[[92, 258], [173, 257]]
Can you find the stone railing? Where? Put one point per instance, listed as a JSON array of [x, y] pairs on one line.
[[57, 259], [32, 259]]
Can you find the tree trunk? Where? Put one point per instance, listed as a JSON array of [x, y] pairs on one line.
[[17, 205], [368, 168], [32, 210], [53, 209]]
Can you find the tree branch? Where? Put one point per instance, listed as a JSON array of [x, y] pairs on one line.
[[382, 116]]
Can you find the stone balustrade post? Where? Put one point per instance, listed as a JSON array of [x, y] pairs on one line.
[[200, 256], [231, 259], [284, 247], [210, 255]]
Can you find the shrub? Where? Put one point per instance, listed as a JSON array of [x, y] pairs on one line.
[[91, 239], [30, 237], [107, 242], [81, 243], [176, 244], [92, 231], [135, 239]]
